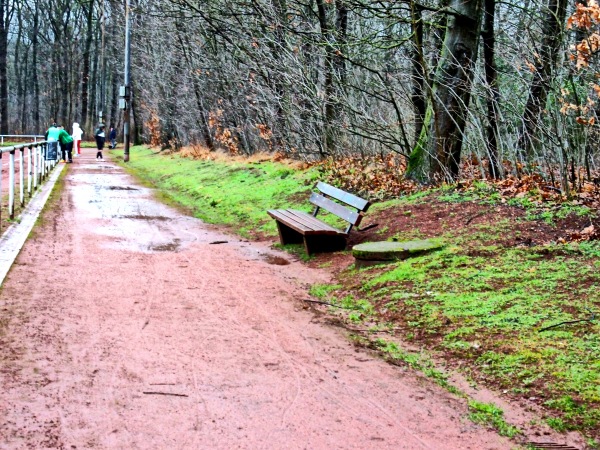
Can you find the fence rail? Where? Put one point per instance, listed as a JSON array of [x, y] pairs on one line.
[[32, 155], [20, 137]]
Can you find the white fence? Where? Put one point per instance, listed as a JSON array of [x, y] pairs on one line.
[[31, 156], [20, 137]]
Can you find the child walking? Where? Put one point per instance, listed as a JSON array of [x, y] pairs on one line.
[[100, 139]]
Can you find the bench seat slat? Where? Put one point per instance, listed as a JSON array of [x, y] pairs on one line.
[[293, 218], [314, 223], [303, 222]]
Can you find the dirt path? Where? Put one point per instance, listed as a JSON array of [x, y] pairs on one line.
[[123, 326]]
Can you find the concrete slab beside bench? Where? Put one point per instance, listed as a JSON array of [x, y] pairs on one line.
[[297, 227], [369, 253]]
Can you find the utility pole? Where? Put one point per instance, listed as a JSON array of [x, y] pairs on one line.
[[102, 65], [125, 92]]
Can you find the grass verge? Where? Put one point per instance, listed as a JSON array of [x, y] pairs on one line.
[[235, 194]]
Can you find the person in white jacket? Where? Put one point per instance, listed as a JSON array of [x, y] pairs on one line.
[[77, 134]]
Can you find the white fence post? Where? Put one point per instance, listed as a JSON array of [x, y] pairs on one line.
[[29, 173], [36, 167], [11, 185], [1, 191], [21, 177], [42, 167]]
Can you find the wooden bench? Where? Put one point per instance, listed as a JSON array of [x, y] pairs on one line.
[[296, 227]]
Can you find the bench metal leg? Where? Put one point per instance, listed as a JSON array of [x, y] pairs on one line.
[[325, 243], [288, 235]]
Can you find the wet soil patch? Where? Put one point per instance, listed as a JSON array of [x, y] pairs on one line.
[[433, 218], [169, 247], [275, 260]]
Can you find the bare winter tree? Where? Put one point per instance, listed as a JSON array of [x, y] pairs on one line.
[[429, 81]]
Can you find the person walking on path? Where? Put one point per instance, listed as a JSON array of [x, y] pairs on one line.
[[100, 137], [113, 138], [66, 145], [77, 135]]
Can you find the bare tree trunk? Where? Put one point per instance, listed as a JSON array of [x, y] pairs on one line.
[[91, 117], [436, 156], [23, 104], [341, 39], [34, 71], [5, 17], [112, 64], [137, 122], [329, 118], [65, 83], [491, 78], [418, 69], [114, 101], [20, 73], [85, 74], [554, 19]]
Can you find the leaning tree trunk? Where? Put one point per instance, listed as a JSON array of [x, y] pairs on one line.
[[436, 155]]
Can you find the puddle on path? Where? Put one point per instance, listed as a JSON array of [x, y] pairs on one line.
[[127, 215], [129, 219]]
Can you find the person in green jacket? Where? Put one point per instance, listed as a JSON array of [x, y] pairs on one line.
[[66, 144]]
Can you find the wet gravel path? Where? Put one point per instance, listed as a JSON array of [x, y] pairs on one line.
[[123, 325]]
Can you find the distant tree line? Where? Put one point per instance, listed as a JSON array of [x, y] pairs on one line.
[[60, 60], [511, 85]]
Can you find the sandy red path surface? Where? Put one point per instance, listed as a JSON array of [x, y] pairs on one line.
[[123, 325]]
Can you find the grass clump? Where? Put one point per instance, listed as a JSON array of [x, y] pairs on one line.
[[490, 415]]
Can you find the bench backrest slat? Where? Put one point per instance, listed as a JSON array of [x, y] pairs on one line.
[[359, 203], [341, 211]]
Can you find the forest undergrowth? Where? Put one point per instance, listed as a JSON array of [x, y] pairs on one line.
[[511, 302]]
